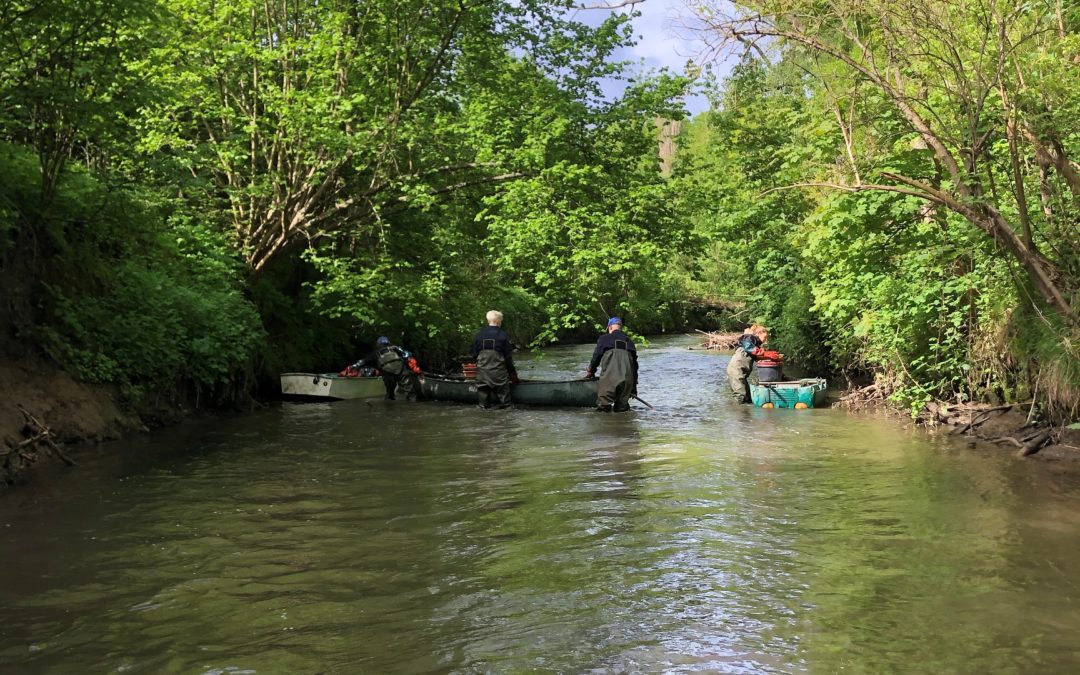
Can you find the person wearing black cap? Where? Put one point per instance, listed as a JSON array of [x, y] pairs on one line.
[[398, 368], [616, 357]]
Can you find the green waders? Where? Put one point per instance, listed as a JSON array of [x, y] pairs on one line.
[[492, 377], [616, 381], [395, 375], [738, 370]]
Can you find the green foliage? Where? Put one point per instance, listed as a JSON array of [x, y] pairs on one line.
[[904, 223], [872, 281], [1051, 351], [128, 295]]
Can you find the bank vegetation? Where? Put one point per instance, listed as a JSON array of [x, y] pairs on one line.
[[197, 195]]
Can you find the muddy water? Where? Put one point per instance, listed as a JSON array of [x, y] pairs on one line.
[[698, 537]]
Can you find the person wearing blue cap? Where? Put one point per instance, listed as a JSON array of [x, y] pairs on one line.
[[616, 357], [397, 366]]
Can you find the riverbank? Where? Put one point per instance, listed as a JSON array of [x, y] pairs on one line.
[[43, 409], [43, 405], [1011, 426]]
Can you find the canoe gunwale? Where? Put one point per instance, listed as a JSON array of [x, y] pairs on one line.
[[573, 393]]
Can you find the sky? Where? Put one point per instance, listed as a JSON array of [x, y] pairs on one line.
[[659, 43]]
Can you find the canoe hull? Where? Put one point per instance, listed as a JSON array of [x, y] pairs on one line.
[[330, 386], [810, 391], [569, 393]]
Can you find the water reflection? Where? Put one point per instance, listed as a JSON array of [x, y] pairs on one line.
[[700, 536]]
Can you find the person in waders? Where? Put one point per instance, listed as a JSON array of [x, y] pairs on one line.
[[397, 366], [494, 363], [749, 354], [616, 357]]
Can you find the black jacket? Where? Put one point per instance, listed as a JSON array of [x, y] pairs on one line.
[[500, 342], [614, 340]]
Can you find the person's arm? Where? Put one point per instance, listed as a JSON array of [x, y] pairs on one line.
[[597, 354], [508, 354], [475, 351], [369, 360], [756, 351]]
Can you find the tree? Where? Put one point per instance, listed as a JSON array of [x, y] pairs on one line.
[[312, 120], [957, 76], [67, 79]]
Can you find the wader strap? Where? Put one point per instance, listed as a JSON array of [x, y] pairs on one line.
[[620, 344]]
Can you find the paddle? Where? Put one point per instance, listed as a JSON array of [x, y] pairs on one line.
[[638, 398]]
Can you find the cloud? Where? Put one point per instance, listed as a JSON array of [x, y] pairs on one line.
[[661, 42], [658, 42]]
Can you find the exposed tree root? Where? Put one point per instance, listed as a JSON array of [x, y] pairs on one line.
[[38, 445]]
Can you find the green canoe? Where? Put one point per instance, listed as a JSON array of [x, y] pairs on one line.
[[809, 391], [566, 393]]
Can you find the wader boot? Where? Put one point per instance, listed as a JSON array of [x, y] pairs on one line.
[[390, 382], [616, 380], [738, 370], [492, 377]]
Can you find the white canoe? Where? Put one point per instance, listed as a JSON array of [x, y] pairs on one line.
[[331, 386]]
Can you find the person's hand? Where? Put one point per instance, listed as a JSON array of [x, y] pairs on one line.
[[634, 392], [514, 379], [589, 374]]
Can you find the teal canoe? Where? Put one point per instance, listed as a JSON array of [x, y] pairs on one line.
[[809, 391], [565, 393]]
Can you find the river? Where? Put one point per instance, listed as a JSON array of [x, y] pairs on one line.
[[702, 536]]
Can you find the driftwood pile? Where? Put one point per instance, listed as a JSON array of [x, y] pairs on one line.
[[1009, 424], [874, 396], [972, 419], [39, 443], [720, 340]]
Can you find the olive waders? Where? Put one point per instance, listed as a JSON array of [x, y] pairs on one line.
[[492, 377], [617, 383], [394, 374], [738, 370]]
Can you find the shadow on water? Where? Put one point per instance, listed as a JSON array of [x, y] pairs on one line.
[[700, 536]]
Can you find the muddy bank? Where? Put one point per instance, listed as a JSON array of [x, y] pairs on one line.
[[1009, 427], [42, 409]]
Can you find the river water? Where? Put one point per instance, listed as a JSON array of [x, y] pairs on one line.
[[702, 536]]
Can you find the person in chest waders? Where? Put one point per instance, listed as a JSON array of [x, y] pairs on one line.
[[750, 353], [616, 356], [397, 366], [494, 363]]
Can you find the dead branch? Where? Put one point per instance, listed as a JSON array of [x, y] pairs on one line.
[[617, 5], [718, 340], [43, 435]]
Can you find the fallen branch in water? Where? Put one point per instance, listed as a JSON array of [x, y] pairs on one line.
[[43, 435], [718, 340], [1029, 447]]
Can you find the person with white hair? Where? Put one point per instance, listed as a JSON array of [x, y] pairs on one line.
[[494, 357]]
